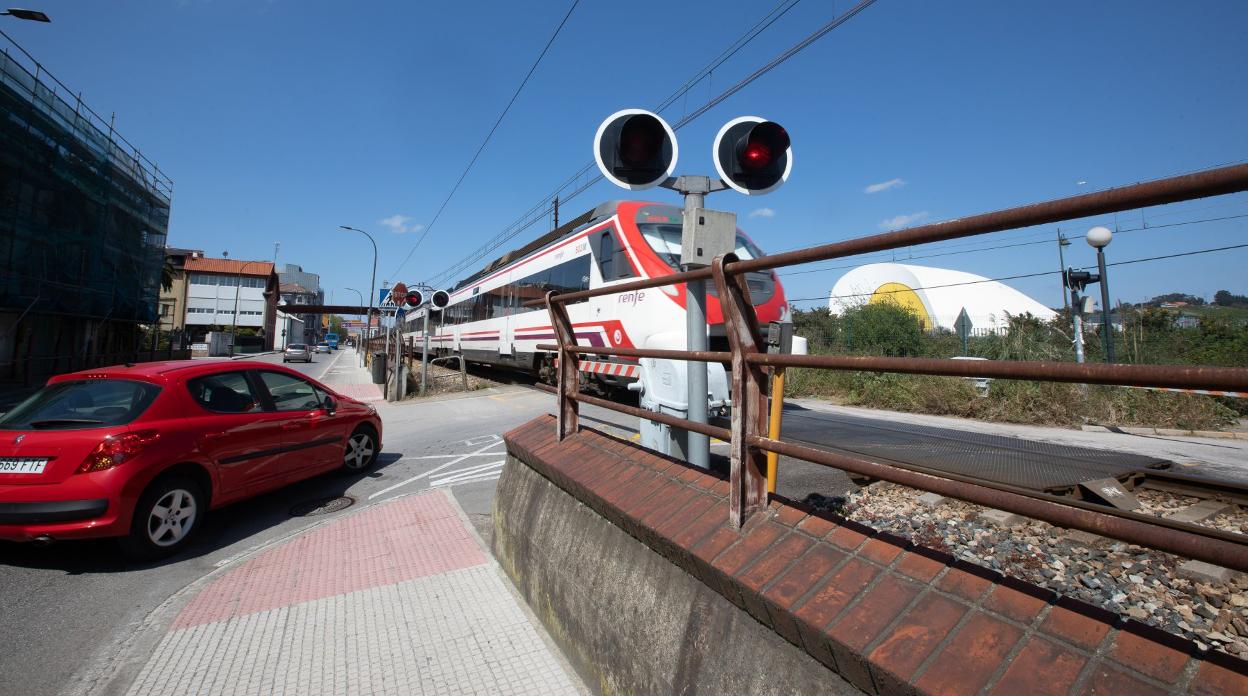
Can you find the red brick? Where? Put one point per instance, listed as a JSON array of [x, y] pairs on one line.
[[789, 516], [713, 545], [751, 545], [1106, 681], [1150, 657], [652, 502], [715, 516], [685, 517], [774, 561], [963, 584], [707, 482], [816, 526], [1084, 631], [877, 608], [862, 622], [1216, 679], [919, 567], [641, 487], [846, 538], [687, 474], [970, 659], [834, 595], [803, 575], [881, 552], [720, 488], [672, 502], [915, 637], [1013, 604], [1042, 667]]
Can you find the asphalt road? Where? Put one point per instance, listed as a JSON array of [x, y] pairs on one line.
[[66, 606]]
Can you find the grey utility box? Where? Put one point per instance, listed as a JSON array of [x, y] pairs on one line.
[[379, 368], [707, 234]]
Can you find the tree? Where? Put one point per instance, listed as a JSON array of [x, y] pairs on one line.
[[1224, 298], [335, 324], [882, 328]]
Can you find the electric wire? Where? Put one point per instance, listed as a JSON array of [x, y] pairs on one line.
[[1019, 276], [541, 210], [486, 141]]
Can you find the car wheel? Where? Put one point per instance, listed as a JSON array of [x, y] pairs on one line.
[[361, 450], [166, 516]]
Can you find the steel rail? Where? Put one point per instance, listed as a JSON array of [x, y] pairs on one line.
[[1182, 376], [701, 356], [1191, 541], [1214, 182]]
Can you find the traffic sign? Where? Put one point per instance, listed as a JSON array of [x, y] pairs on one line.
[[963, 326]]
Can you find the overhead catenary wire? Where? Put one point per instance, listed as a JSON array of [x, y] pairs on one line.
[[1047, 240], [543, 209], [515, 95], [825, 298]]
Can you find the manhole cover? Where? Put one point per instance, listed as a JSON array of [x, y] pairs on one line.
[[322, 506]]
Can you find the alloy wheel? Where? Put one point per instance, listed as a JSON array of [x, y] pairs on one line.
[[359, 451], [172, 517]]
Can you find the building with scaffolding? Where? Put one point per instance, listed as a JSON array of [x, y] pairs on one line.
[[83, 220]]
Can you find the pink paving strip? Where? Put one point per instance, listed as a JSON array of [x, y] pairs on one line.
[[409, 538], [363, 392]]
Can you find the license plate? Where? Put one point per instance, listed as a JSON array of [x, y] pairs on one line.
[[22, 466]]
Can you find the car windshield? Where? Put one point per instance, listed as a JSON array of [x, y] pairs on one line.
[[662, 229], [96, 403], [296, 346]]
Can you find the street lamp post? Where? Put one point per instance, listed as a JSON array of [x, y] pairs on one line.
[[238, 291], [358, 349], [1100, 237], [31, 15], [372, 283]]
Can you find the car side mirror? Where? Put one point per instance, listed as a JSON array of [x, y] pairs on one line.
[[330, 405]]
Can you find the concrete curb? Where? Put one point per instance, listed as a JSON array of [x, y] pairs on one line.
[[1166, 432]]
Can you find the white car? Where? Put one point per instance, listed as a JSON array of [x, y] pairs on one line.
[[322, 347]]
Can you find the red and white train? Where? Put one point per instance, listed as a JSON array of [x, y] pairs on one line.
[[615, 243]]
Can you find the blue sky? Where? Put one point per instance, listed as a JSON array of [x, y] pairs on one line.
[[280, 120]]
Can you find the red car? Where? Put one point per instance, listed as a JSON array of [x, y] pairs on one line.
[[141, 452]]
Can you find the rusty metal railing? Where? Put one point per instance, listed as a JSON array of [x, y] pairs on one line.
[[749, 360]]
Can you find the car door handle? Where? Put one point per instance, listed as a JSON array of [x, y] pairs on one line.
[[215, 436], [295, 425]]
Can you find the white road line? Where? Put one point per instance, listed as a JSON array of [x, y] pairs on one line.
[[448, 456], [484, 477], [434, 470], [471, 471]]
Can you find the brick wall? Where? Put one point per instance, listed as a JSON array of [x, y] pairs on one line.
[[888, 616]]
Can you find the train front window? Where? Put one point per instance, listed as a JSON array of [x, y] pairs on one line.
[[664, 238]]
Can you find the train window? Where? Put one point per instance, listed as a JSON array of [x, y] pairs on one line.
[[612, 262], [664, 238]]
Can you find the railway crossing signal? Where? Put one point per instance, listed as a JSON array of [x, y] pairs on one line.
[[635, 149], [439, 299], [415, 298], [752, 155]]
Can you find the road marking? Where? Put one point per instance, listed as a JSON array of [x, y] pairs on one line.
[[474, 472], [635, 437], [434, 470], [473, 441], [475, 479], [448, 456]]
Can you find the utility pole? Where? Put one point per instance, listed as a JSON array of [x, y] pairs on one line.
[[1061, 263], [1100, 237], [555, 205]]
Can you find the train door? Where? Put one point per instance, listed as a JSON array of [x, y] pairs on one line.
[[504, 310]]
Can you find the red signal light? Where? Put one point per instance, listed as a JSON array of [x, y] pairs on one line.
[[756, 156]]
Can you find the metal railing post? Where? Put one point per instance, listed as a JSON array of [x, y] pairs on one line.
[[747, 476], [568, 368]]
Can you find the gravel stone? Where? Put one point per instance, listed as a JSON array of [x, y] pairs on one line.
[[1133, 581]]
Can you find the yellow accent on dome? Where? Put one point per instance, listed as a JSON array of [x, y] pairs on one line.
[[906, 297]]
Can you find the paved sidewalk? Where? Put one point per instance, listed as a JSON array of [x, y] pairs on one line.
[[398, 598], [348, 378]]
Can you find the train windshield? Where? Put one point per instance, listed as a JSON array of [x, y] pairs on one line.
[[661, 226]]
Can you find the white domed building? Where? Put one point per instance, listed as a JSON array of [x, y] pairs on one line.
[[936, 295]]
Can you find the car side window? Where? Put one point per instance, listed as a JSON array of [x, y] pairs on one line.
[[225, 392], [289, 392]]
